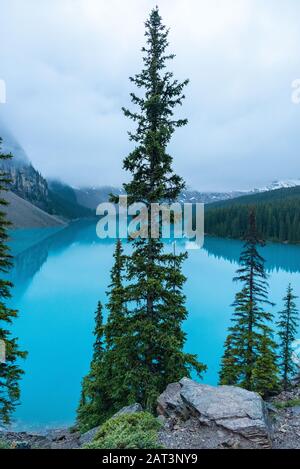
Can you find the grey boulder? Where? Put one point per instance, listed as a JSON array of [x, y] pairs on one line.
[[88, 437], [130, 409], [236, 410]]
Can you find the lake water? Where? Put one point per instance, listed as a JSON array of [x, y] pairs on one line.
[[60, 274]]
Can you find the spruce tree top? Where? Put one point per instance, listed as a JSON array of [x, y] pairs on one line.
[[252, 270], [153, 177]]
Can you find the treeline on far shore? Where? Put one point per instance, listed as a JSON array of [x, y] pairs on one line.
[[277, 216]]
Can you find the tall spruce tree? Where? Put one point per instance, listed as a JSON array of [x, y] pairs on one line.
[[10, 372], [92, 408], [287, 329], [153, 291], [251, 322]]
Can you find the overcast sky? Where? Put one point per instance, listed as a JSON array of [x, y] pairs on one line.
[[66, 65]]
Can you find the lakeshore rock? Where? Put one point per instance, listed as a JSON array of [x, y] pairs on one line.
[[88, 437], [242, 414], [130, 409]]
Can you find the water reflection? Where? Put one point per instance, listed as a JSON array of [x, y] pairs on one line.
[[31, 249]]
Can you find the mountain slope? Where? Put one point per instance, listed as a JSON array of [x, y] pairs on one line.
[[284, 184], [91, 197], [59, 204], [30, 185], [282, 194], [23, 214]]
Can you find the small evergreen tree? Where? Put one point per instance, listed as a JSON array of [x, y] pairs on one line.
[[10, 372], [250, 320], [117, 359], [229, 372], [153, 292], [287, 326], [99, 334], [99, 400], [264, 378], [92, 406], [116, 297]]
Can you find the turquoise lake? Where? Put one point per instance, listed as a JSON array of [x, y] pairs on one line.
[[60, 274]]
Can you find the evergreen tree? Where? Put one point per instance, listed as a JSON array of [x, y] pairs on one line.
[[250, 320], [287, 325], [92, 407], [277, 215], [99, 400], [153, 291], [10, 372], [229, 372], [264, 378], [118, 344], [116, 295]]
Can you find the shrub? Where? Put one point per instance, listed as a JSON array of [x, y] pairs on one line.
[[287, 404], [138, 430], [4, 444]]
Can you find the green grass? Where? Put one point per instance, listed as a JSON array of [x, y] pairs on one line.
[[287, 404], [128, 431]]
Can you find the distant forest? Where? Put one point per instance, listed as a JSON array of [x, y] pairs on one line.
[[277, 215]]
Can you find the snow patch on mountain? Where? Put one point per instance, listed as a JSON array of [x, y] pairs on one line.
[[284, 184]]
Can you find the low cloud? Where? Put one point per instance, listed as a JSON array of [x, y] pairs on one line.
[[66, 64]]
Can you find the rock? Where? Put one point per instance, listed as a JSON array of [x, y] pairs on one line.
[[88, 437], [231, 443], [271, 408], [234, 409], [20, 445], [161, 419], [295, 411], [130, 409], [63, 439], [57, 435], [170, 403]]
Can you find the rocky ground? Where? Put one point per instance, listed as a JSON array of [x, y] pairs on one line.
[[56, 439], [193, 435], [196, 416], [285, 414], [23, 214]]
